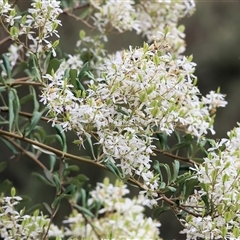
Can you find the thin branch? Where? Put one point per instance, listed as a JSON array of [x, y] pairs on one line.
[[66, 10], [174, 156], [174, 205], [74, 157], [63, 154], [14, 83], [26, 114], [22, 79], [79, 19], [25, 152], [13, 4], [100, 157], [50, 149], [5, 40]]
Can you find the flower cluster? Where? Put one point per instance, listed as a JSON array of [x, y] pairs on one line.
[[217, 204], [43, 15], [120, 217], [17, 225], [141, 92], [37, 25], [8, 13], [156, 15], [115, 14], [148, 18]]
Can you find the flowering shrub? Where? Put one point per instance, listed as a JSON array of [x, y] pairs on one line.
[[124, 108]]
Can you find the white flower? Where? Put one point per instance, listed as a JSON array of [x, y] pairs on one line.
[[214, 100], [5, 7], [155, 15], [120, 215], [219, 177], [115, 14]]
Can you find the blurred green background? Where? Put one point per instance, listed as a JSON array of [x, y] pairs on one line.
[[212, 36]]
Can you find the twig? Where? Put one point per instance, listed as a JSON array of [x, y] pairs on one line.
[[25, 152], [174, 156], [50, 149], [5, 40], [26, 114], [14, 83], [174, 205], [66, 10], [74, 157], [13, 4]]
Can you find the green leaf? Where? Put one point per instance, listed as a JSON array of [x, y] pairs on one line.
[[55, 43], [162, 137], [168, 171], [73, 77], [14, 108], [159, 210], [43, 150], [176, 167], [10, 146], [3, 165], [57, 182], [7, 65], [172, 189], [85, 14], [189, 186], [34, 121], [83, 197], [48, 175], [179, 146], [52, 161], [43, 179], [156, 166], [32, 209], [113, 169], [84, 210], [21, 67], [111, 236], [2, 89], [53, 65], [51, 138], [205, 199], [57, 201], [47, 207], [73, 168], [62, 135], [35, 99], [5, 187], [26, 98], [162, 185], [78, 180], [14, 32], [69, 189], [181, 178], [91, 146], [2, 79], [40, 133], [33, 65], [82, 34], [177, 136], [83, 71], [10, 110]]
